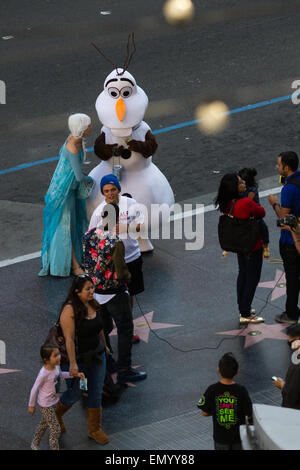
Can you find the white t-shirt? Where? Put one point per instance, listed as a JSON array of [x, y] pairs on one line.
[[105, 298], [130, 212]]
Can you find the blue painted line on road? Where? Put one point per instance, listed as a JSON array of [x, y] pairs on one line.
[[158, 131]]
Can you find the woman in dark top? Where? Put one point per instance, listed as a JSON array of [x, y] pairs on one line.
[[82, 328], [250, 266]]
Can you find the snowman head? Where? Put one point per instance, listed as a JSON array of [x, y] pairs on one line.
[[122, 104]]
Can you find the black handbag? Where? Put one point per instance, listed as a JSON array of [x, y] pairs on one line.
[[238, 235]]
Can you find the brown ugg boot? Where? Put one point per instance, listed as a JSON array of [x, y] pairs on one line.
[[94, 417], [60, 410]]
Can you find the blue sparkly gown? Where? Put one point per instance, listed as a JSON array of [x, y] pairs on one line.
[[64, 217]]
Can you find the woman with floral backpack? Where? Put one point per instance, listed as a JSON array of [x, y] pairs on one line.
[[104, 261]]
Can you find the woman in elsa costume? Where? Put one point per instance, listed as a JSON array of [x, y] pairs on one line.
[[65, 220]]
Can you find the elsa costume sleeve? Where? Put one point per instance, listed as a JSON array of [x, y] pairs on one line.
[[76, 167]]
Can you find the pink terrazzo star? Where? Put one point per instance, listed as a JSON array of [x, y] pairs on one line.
[[8, 371], [141, 326], [279, 285], [257, 333]]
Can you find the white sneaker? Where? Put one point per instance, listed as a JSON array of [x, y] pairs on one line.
[[34, 447]]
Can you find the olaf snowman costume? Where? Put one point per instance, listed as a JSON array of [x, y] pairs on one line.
[[121, 107]]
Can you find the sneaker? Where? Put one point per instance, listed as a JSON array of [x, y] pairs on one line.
[[136, 339], [130, 375], [34, 447], [251, 319], [283, 318]]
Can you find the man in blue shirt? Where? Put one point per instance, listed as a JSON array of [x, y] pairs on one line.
[[287, 165]]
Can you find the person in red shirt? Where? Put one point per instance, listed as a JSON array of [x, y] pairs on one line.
[[249, 265]]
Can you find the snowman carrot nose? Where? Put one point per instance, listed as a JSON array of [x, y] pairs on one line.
[[120, 109]]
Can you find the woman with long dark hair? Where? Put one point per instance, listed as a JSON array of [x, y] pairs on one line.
[[82, 327], [250, 265]]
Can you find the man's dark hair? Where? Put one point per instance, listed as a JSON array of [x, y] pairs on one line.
[[290, 159], [228, 366]]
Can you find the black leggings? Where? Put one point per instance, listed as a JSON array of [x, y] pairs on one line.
[[119, 310], [248, 279]]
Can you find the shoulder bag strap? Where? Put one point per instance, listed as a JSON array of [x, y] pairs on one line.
[[294, 181], [232, 207]]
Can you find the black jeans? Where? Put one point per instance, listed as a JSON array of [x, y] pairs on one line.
[[248, 279], [291, 263], [119, 310], [235, 446]]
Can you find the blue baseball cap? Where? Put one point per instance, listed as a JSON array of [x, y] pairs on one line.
[[109, 179]]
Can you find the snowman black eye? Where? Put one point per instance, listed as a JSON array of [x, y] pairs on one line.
[[126, 92], [113, 92]]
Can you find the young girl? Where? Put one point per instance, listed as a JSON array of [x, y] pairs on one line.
[[45, 388]]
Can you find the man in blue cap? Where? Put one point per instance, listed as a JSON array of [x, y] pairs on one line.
[[129, 213]]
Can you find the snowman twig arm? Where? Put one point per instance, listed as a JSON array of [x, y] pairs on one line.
[[146, 148], [103, 150]]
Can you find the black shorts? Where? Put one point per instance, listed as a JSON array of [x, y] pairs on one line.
[[136, 284]]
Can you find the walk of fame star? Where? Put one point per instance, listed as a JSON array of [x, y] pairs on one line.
[[278, 284], [8, 371], [141, 326], [257, 333]]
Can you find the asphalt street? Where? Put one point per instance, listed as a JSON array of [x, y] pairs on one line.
[[51, 70], [241, 52]]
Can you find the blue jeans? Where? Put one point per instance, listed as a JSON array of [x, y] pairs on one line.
[[248, 279], [95, 380]]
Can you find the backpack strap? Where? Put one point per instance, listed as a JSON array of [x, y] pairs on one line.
[[294, 181], [232, 207]]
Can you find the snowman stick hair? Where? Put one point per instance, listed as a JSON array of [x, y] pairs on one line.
[[128, 57], [106, 58]]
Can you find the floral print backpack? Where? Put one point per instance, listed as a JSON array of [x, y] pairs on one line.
[[98, 247]]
